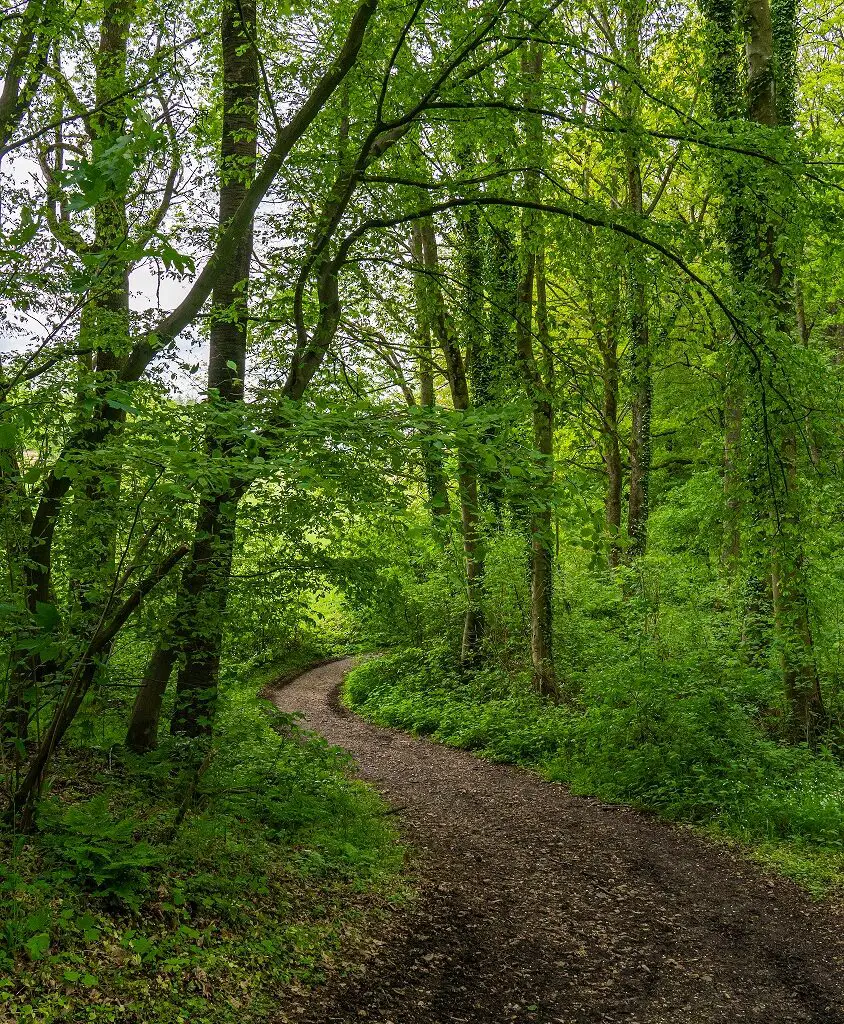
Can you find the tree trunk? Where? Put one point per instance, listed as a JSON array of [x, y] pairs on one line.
[[200, 622], [539, 392], [638, 508], [640, 349], [103, 336], [770, 92], [205, 583], [731, 546], [490, 367], [81, 675], [761, 262], [435, 479], [542, 533], [142, 734], [467, 477], [791, 613], [608, 343]]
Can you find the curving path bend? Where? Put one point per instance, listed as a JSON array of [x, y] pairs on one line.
[[538, 906]]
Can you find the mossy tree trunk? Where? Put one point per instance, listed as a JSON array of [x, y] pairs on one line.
[[537, 381]]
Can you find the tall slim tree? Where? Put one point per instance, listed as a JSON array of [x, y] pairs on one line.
[[762, 257], [467, 477], [205, 582]]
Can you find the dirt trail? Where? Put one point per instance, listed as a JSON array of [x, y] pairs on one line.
[[543, 907]]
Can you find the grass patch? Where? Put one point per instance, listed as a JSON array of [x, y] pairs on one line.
[[116, 911]]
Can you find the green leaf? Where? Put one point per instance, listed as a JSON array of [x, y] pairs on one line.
[[37, 946], [8, 435], [47, 615]]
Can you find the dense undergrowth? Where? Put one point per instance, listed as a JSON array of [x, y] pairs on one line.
[[659, 709], [132, 904], [692, 756]]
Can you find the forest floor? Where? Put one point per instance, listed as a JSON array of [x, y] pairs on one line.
[[538, 906]]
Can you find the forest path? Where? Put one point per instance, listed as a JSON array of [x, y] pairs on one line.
[[538, 906]]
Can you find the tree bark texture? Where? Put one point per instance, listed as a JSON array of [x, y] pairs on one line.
[[538, 388], [467, 477], [205, 583]]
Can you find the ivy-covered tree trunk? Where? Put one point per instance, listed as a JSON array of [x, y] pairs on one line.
[[770, 50], [539, 392], [103, 341], [755, 225], [196, 635], [26, 64], [103, 338]]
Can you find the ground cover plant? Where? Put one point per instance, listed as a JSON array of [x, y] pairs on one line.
[[131, 905]]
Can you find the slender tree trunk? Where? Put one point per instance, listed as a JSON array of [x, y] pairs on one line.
[[467, 477], [205, 583], [640, 347], [472, 305], [604, 324], [81, 675], [804, 337], [731, 548], [791, 611], [483, 361], [542, 531], [435, 479], [490, 367], [142, 734], [608, 343], [539, 391], [638, 509]]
